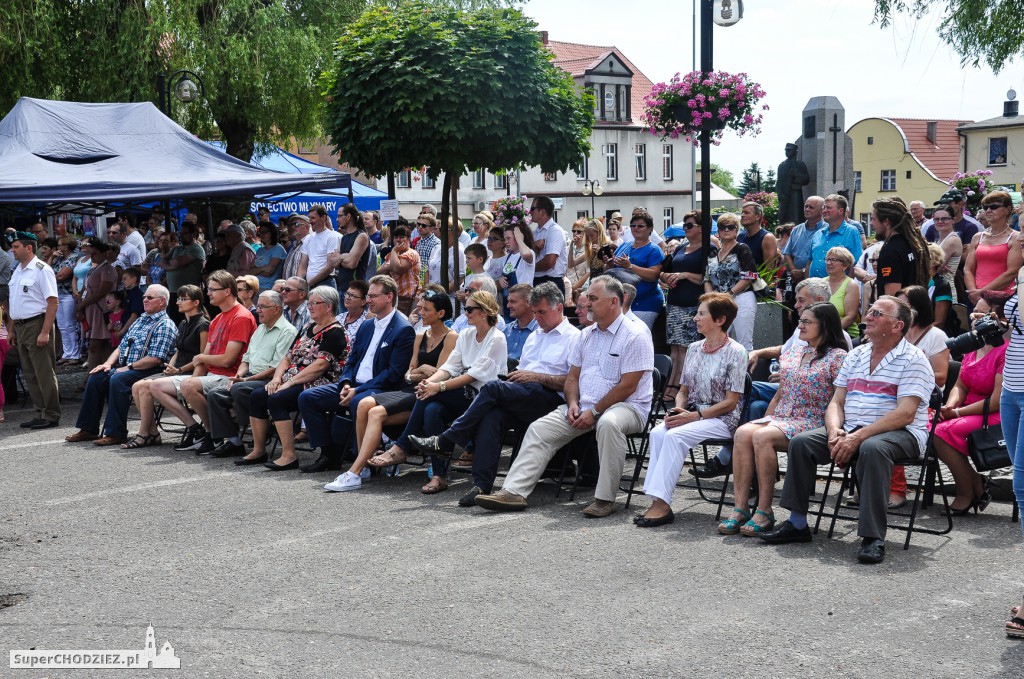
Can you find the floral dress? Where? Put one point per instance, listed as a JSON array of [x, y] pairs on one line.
[[328, 344], [804, 390], [737, 266]]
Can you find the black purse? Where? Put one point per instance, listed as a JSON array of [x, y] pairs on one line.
[[987, 446]]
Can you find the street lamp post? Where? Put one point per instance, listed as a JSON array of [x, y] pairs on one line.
[[591, 187], [186, 86]]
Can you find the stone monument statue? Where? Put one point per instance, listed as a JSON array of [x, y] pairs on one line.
[[789, 186]]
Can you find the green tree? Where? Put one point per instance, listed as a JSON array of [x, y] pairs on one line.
[[721, 178], [453, 91], [748, 183], [978, 30]]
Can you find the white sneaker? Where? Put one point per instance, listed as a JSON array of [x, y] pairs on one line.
[[364, 473], [347, 481]]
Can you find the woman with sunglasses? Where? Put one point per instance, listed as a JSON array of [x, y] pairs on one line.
[[993, 258], [248, 291], [193, 333], [949, 241], [578, 272], [731, 269], [496, 250], [644, 259], [432, 348], [683, 275], [480, 355]]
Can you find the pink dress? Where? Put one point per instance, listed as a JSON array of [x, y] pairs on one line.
[[990, 263], [804, 390], [979, 376]]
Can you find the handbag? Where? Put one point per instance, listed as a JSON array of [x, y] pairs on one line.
[[987, 446]]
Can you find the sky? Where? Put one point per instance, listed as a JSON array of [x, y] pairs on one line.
[[796, 50]]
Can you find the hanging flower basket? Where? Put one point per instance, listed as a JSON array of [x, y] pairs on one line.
[[510, 211], [714, 101]]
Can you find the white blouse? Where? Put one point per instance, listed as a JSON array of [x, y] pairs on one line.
[[483, 360]]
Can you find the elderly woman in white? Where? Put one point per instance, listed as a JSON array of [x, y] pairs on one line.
[[708, 403], [480, 355]]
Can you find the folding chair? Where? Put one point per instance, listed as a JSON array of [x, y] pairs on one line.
[[929, 461], [638, 445]]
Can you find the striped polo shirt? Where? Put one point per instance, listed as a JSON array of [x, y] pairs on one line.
[[904, 371], [1013, 371]]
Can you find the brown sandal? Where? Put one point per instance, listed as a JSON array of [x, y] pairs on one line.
[[389, 458], [435, 485]]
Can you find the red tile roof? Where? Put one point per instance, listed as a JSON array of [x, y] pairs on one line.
[[576, 59], [942, 157]]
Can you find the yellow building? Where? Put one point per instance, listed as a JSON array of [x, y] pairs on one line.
[[906, 157], [995, 144]]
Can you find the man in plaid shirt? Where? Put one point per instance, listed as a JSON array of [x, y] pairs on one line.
[[143, 351]]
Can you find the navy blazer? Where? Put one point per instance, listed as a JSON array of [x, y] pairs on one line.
[[394, 353]]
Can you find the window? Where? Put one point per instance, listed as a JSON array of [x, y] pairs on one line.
[[908, 174], [582, 170], [888, 180], [640, 153], [582, 214], [668, 218], [609, 104], [550, 176], [666, 162], [501, 180], [611, 158], [428, 181], [997, 151], [871, 141], [479, 178], [856, 182], [404, 179]]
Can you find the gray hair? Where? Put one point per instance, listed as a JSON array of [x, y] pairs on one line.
[[548, 291], [250, 228], [629, 290], [916, 202], [160, 291], [818, 288], [328, 294], [904, 312], [301, 283], [487, 284], [274, 297], [612, 287]]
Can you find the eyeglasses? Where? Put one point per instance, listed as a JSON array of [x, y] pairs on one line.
[[689, 225], [641, 225], [314, 302], [373, 295], [288, 289], [471, 309], [806, 321], [209, 289], [151, 297], [421, 224], [576, 231], [942, 220], [876, 313], [833, 260], [727, 228], [993, 206], [349, 295], [265, 306], [245, 288]]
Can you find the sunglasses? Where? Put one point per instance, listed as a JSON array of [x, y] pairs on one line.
[[875, 313], [993, 206], [689, 225], [576, 231], [470, 309], [727, 228]]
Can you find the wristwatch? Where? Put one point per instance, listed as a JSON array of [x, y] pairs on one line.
[[442, 386], [597, 413]]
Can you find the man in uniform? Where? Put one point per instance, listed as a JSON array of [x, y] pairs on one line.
[[33, 309]]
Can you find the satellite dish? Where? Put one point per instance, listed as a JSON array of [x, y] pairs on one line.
[[1011, 95]]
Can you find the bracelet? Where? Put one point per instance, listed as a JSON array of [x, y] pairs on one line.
[[956, 411], [700, 415]]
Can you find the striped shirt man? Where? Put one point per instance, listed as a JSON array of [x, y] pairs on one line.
[[604, 356], [904, 371]]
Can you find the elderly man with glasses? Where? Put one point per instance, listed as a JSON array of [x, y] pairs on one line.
[[296, 311], [143, 351], [878, 416]]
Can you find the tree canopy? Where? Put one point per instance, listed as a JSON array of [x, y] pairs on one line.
[[454, 91], [979, 30], [722, 178]]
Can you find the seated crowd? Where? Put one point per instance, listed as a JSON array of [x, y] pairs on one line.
[[373, 369]]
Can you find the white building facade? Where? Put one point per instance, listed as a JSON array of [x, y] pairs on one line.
[[628, 165]]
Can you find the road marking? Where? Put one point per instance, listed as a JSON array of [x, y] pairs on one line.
[[133, 489], [33, 444]]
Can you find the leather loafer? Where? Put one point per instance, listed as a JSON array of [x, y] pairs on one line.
[[110, 441], [256, 460], [322, 463], [647, 522], [81, 436], [228, 449], [275, 467], [502, 501], [786, 532], [872, 550], [598, 509], [469, 499], [31, 423], [45, 424]]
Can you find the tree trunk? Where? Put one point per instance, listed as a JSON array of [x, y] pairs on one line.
[[443, 229], [455, 245], [239, 136]]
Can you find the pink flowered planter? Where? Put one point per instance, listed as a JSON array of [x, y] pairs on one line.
[[716, 101]]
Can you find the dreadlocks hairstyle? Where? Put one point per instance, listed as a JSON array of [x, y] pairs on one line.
[[894, 211]]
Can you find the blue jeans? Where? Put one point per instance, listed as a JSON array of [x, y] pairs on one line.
[[761, 395], [1011, 407], [318, 406], [115, 388], [430, 418]]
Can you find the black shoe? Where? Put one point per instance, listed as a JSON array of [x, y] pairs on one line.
[[786, 532], [431, 445], [713, 468], [45, 424], [256, 460], [322, 463], [32, 423], [206, 445], [642, 521], [469, 499], [872, 550], [275, 467], [193, 438], [228, 449]]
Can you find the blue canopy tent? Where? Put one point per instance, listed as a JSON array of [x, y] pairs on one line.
[[60, 156], [279, 160]]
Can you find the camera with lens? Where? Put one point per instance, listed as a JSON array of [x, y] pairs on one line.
[[986, 331]]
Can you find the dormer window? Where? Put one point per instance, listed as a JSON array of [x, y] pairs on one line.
[[609, 104]]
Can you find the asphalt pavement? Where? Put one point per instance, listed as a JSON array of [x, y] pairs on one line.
[[252, 573]]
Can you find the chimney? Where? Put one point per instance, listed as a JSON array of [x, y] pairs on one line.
[[544, 37], [1010, 109]]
